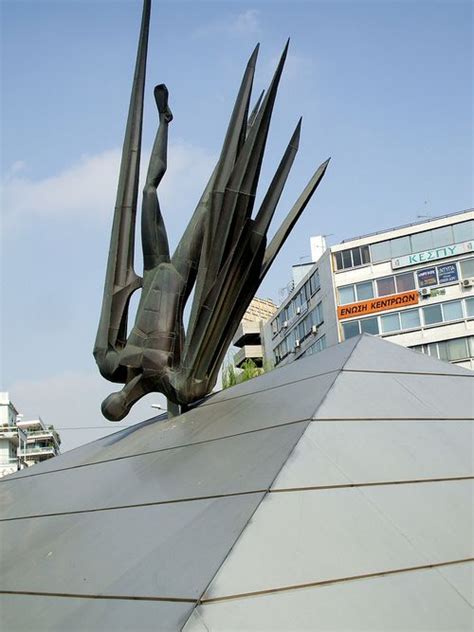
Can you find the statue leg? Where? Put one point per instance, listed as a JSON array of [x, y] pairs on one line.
[[154, 238]]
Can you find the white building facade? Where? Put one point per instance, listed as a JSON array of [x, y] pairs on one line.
[[413, 285], [9, 437], [23, 442], [42, 441]]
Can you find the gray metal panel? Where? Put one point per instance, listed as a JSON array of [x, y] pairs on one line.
[[395, 395], [273, 407], [330, 359], [414, 601], [308, 465], [32, 613], [243, 463], [331, 534], [79, 455], [312, 536], [376, 354], [345, 452], [436, 518], [461, 577], [159, 551]]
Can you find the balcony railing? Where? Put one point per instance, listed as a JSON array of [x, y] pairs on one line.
[[38, 449], [8, 430]]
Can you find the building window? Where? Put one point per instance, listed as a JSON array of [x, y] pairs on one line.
[[386, 286], [351, 329], [352, 258], [358, 292], [410, 319], [469, 307], [464, 231], [432, 314], [453, 349], [419, 242], [319, 345], [452, 311], [405, 282], [442, 312], [401, 247], [422, 241], [442, 236], [369, 326], [364, 291], [346, 295], [449, 350], [314, 283], [381, 251], [390, 322], [467, 268]]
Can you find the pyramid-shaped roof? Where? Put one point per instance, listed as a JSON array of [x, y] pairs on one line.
[[332, 493]]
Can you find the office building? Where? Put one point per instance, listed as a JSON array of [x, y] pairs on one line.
[[412, 285], [248, 337]]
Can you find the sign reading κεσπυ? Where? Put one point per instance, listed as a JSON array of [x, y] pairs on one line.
[[433, 254], [380, 304]]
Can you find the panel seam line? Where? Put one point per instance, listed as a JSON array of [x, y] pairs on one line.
[[265, 490], [328, 582]]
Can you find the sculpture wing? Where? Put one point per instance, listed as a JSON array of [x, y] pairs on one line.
[[121, 280], [236, 258]]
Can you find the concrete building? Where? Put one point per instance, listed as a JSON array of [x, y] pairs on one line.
[[248, 337], [412, 285], [42, 441], [10, 437], [23, 442]]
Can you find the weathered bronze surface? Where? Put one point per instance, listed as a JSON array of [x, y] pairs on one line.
[[222, 255]]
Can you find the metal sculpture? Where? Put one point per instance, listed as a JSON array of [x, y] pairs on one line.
[[222, 255]]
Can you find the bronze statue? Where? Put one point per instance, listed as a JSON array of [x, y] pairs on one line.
[[222, 255]]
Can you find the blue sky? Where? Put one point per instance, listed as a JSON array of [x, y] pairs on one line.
[[385, 89]]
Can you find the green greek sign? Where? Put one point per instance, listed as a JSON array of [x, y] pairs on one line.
[[432, 255]]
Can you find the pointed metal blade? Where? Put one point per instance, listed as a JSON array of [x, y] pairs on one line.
[[291, 219], [121, 280], [271, 199]]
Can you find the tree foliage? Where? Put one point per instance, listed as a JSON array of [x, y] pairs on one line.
[[249, 370]]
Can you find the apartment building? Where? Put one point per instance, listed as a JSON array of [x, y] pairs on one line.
[[412, 284], [23, 443], [42, 441]]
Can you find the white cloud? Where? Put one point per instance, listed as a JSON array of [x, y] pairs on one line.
[[87, 188], [246, 23]]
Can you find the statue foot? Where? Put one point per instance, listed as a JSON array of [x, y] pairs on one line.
[[161, 98]]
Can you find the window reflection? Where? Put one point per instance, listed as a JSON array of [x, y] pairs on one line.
[[386, 286]]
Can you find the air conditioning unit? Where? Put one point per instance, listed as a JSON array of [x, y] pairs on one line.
[[297, 344], [425, 291], [467, 282], [285, 324], [314, 329], [298, 310]]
